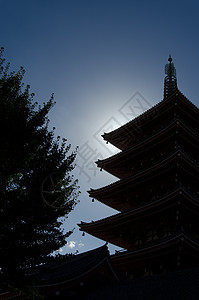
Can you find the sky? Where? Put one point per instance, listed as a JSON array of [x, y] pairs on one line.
[[99, 58]]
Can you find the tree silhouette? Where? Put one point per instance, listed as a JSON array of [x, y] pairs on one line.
[[36, 185]]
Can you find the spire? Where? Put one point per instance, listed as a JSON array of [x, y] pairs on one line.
[[170, 81]]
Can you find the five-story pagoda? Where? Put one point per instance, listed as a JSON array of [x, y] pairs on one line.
[[157, 193]]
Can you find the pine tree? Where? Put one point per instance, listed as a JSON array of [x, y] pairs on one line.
[[36, 185]]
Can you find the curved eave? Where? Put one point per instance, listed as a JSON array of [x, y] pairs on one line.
[[100, 227], [111, 161], [104, 193], [89, 263], [158, 109], [144, 116], [157, 248], [111, 164], [53, 287]]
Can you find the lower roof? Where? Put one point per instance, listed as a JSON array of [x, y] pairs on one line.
[[72, 268]]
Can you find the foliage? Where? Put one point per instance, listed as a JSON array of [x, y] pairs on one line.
[[30, 157]]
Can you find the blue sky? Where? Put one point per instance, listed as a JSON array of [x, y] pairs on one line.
[[94, 56]]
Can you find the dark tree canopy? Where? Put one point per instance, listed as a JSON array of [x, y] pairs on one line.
[[36, 185]]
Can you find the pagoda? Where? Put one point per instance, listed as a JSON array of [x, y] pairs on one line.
[[156, 194]]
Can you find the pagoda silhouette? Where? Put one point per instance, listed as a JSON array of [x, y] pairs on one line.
[[157, 195]]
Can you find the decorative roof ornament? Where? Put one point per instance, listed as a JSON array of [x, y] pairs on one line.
[[170, 81]]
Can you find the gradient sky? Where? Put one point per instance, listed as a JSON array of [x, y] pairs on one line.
[[94, 56]]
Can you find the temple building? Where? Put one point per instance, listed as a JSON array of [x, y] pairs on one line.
[[156, 194]]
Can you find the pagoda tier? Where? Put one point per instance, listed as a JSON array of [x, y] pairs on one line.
[[159, 116], [150, 222], [175, 252], [176, 134], [178, 169]]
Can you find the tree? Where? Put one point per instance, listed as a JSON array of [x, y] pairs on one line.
[[36, 185]]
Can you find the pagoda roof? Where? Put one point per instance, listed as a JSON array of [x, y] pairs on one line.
[[156, 248], [118, 136], [105, 228], [112, 164], [109, 193]]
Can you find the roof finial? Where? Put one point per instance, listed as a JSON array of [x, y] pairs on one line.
[[170, 58], [170, 81]]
